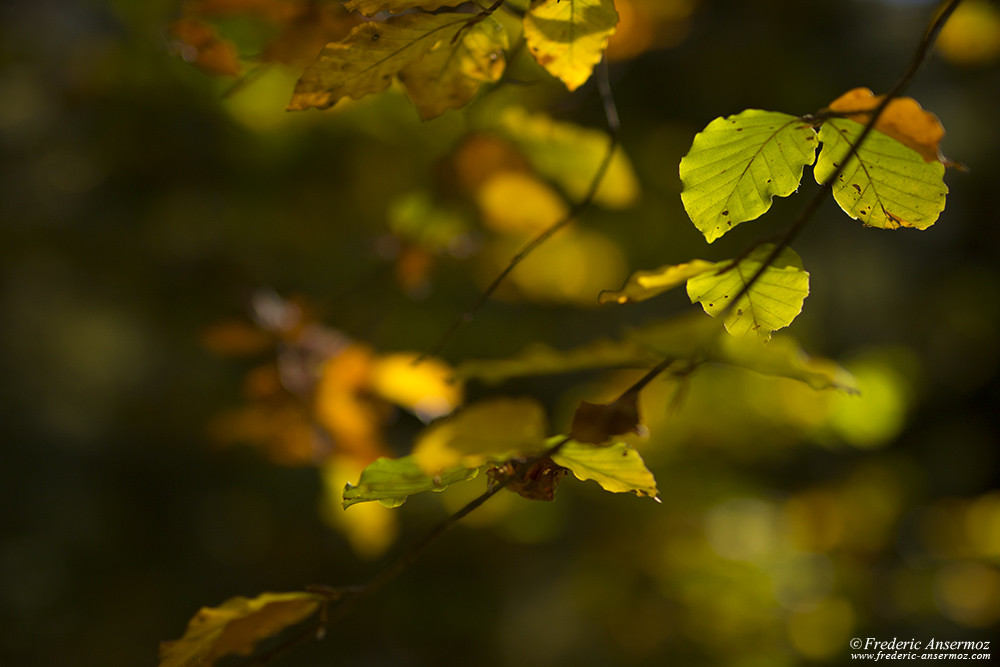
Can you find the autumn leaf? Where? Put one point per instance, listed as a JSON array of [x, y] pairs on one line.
[[373, 7], [568, 37], [617, 468], [784, 357], [441, 59], [570, 155], [903, 119], [595, 423], [199, 44], [534, 479], [737, 165], [644, 285], [886, 184], [391, 481], [235, 627], [491, 430], [773, 301]]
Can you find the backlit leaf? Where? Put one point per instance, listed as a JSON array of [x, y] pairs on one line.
[[737, 165], [903, 119], [773, 301], [390, 481], [783, 357], [617, 468], [570, 155], [373, 7], [428, 389], [235, 627], [644, 285], [972, 34], [568, 37], [441, 59], [886, 185], [491, 430]]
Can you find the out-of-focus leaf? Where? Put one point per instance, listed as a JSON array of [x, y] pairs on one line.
[[370, 528], [617, 468], [344, 405], [737, 165], [595, 423], [427, 389], [644, 25], [903, 119], [540, 359], [373, 7], [773, 301], [441, 59], [887, 184], [644, 285], [972, 34], [235, 627], [199, 44], [570, 155], [517, 201], [391, 481], [491, 430], [568, 37], [784, 357], [531, 479]]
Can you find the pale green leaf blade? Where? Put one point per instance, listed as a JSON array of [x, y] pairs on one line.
[[488, 431], [570, 156], [235, 627], [887, 184], [391, 481], [568, 37], [773, 301], [643, 285], [366, 61], [737, 165], [373, 7], [450, 74], [540, 359], [617, 468], [784, 357]]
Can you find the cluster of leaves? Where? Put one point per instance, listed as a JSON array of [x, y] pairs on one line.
[[885, 171]]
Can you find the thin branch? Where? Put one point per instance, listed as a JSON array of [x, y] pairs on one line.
[[614, 124], [923, 50]]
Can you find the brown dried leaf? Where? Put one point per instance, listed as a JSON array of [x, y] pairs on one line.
[[597, 423], [534, 480]]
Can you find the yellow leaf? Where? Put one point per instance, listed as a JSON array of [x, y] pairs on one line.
[[343, 403], [440, 58], [972, 34], [515, 201], [644, 285], [487, 431], [428, 389], [235, 627], [568, 37], [904, 120], [570, 155]]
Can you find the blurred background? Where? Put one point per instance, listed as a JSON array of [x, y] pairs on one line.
[[179, 256]]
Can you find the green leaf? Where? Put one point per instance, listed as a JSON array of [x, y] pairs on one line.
[[644, 285], [235, 627], [617, 468], [391, 481], [773, 301], [373, 7], [541, 359], [570, 155], [737, 165], [492, 430], [887, 184], [440, 58], [568, 37], [784, 357]]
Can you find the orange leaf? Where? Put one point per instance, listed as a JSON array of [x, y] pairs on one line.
[[904, 120], [199, 44]]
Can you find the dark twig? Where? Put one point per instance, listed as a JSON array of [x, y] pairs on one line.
[[611, 116], [923, 50]]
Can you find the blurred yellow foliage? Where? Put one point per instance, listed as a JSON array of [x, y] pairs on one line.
[[972, 34]]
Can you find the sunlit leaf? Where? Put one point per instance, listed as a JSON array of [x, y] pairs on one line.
[[784, 357], [517, 201], [972, 34], [644, 285], [491, 430], [570, 155], [903, 119], [427, 389], [886, 185], [235, 627], [373, 7], [617, 468], [370, 528], [391, 481], [737, 165], [773, 301], [568, 37], [440, 58]]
